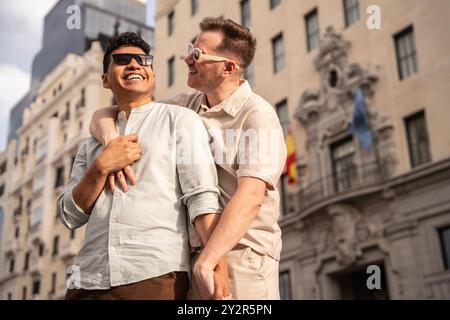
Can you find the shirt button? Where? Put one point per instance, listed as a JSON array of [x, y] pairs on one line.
[[122, 115]]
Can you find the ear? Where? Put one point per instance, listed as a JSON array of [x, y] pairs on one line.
[[105, 81], [229, 69]]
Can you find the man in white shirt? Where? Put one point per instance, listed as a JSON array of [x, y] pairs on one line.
[[136, 242]]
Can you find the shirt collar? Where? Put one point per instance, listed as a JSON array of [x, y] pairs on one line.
[[233, 104], [141, 109]]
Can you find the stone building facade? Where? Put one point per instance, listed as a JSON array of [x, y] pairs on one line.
[[38, 249], [385, 209]]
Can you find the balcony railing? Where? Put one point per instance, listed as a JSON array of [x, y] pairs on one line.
[[36, 265], [12, 246], [353, 179], [69, 251]]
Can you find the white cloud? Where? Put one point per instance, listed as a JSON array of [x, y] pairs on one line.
[[21, 20], [15, 84], [30, 12]]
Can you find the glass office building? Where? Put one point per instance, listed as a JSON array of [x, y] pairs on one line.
[[99, 20]]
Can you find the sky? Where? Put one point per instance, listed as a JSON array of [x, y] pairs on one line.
[[21, 26]]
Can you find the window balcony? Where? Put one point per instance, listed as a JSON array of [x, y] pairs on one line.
[[36, 266], [69, 251], [12, 246], [344, 184], [17, 212]]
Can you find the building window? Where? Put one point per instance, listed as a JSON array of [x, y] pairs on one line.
[[24, 293], [55, 245], [351, 12], [283, 116], [41, 152], [312, 30], [343, 164], [17, 233], [36, 216], [3, 167], [72, 234], [26, 148], [2, 190], [406, 53], [194, 7], [66, 115], [83, 98], [245, 13], [9, 296], [444, 236], [36, 287], [53, 285], [27, 261], [274, 3], [249, 75], [39, 182], [285, 286], [59, 181], [278, 53], [41, 250], [171, 71], [418, 143], [171, 22], [12, 263]]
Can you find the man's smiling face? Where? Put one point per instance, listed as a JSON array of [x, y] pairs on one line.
[[132, 80], [206, 75]]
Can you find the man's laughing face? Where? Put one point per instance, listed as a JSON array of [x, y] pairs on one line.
[[205, 75], [131, 80]]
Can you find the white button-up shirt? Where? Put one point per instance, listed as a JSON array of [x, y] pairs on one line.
[[143, 233]]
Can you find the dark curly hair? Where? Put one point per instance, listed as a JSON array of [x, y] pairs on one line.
[[124, 39]]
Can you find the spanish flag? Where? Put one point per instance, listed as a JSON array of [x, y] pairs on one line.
[[291, 169]]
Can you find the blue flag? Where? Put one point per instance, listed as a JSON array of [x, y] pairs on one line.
[[360, 127]]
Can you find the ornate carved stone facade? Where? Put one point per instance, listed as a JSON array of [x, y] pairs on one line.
[[378, 218]]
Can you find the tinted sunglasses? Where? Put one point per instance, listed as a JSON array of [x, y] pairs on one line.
[[198, 55], [123, 59]]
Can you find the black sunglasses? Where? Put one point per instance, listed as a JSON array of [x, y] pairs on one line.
[[122, 59]]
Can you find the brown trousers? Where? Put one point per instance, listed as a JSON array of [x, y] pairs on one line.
[[170, 286]]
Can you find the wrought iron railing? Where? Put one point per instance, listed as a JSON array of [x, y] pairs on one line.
[[348, 181]]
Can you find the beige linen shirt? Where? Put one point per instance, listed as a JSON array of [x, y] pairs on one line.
[[143, 233], [246, 140]]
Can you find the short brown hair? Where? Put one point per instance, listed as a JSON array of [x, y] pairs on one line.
[[237, 39]]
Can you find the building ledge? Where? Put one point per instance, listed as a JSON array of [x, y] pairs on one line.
[[9, 276], [370, 179]]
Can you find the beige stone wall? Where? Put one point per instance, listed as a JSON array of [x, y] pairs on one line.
[[62, 137], [374, 50], [403, 212]]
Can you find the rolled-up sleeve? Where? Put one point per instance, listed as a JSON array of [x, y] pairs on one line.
[[71, 215], [196, 169]]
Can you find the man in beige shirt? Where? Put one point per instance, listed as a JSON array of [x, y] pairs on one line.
[[249, 150]]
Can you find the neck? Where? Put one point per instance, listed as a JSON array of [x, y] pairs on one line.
[[126, 104], [217, 95]]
